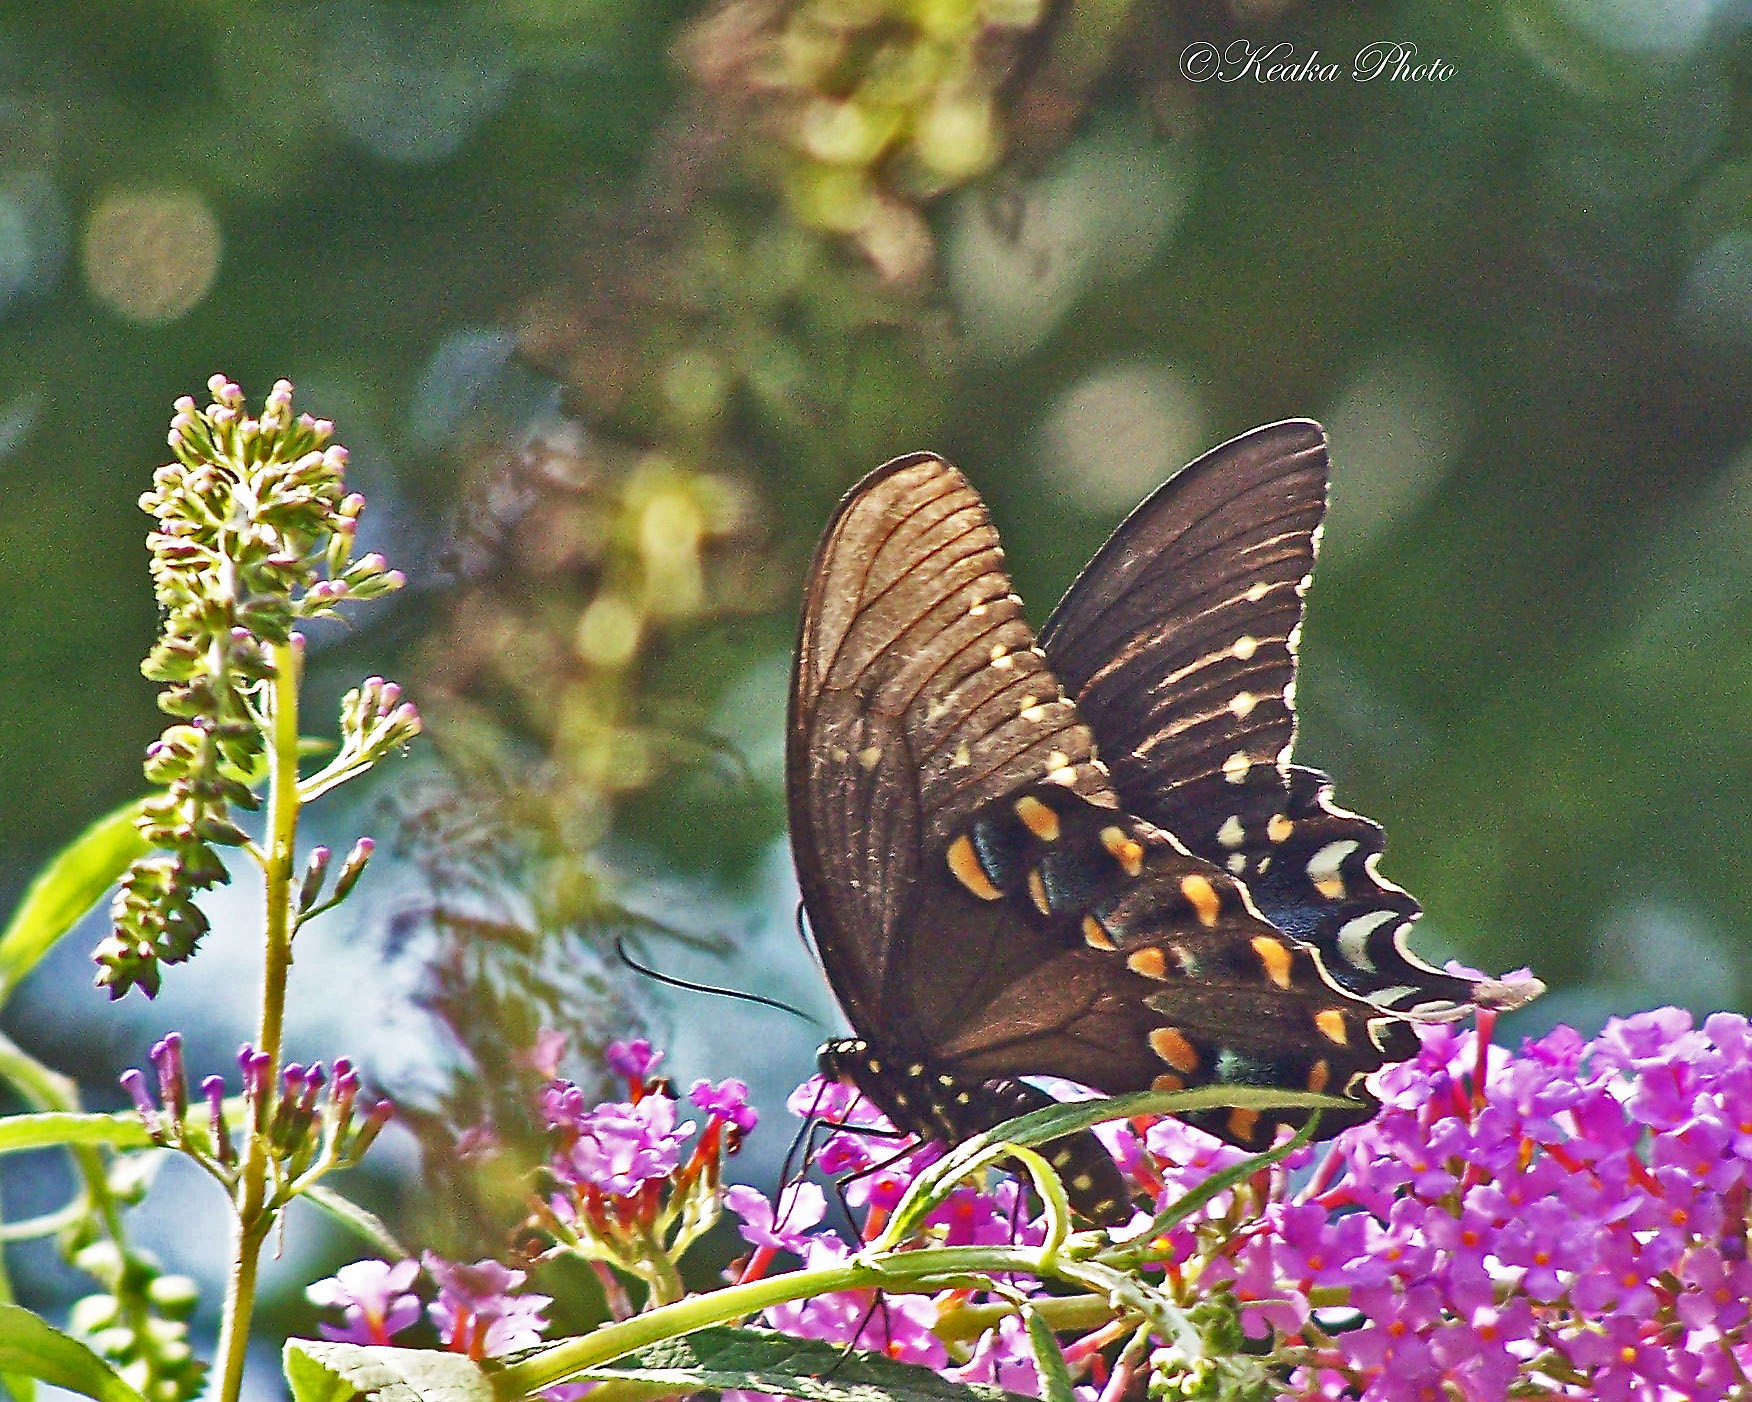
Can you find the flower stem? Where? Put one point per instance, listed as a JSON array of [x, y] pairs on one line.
[[254, 1215], [898, 1270]]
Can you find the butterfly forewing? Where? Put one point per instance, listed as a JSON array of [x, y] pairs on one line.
[[907, 717]]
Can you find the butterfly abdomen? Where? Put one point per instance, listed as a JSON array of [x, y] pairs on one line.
[[926, 1100]]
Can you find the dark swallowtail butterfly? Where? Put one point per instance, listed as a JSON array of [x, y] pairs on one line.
[[991, 899]]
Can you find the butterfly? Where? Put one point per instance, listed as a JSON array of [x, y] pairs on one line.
[[1086, 853]]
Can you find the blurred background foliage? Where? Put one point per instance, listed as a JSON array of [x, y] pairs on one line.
[[611, 299]]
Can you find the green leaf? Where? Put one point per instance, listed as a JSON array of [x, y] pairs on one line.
[[1071, 1116], [73, 881], [363, 1224], [761, 1360], [34, 1348], [1055, 1373], [59, 1129], [338, 1372]]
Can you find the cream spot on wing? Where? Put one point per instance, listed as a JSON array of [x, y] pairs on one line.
[[870, 756], [1241, 704], [1353, 937], [1257, 592], [962, 757], [1235, 767], [1245, 646], [1231, 834], [1279, 827], [1237, 864], [1323, 868]]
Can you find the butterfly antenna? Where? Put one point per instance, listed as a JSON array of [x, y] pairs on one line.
[[620, 949]]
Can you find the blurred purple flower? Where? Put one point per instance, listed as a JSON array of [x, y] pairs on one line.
[[373, 1295], [635, 1060], [476, 1312], [726, 1101]]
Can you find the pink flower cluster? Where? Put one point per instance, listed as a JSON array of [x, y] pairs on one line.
[[1571, 1220], [618, 1164]]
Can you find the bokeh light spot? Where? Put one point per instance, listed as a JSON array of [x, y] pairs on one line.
[[1396, 427], [1717, 298], [33, 236], [1642, 26], [411, 84], [1118, 434], [1017, 262], [151, 255]]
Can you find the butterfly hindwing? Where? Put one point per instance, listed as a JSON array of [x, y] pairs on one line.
[[1178, 642], [1178, 639]]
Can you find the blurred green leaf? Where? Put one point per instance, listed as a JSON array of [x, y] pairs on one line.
[[363, 1224], [73, 881], [1055, 1373], [31, 1347], [59, 1129]]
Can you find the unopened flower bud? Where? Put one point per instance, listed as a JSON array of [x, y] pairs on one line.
[[353, 868]]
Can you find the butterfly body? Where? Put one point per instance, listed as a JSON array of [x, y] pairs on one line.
[[991, 897], [924, 1099]]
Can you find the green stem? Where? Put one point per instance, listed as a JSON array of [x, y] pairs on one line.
[[899, 1270], [255, 1217]]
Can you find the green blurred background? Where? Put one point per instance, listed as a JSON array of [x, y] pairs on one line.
[[611, 300]]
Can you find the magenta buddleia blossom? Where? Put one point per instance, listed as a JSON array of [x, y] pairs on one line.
[[628, 1188], [728, 1101], [900, 1328], [620, 1146], [635, 1060], [478, 1310], [785, 1228]]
